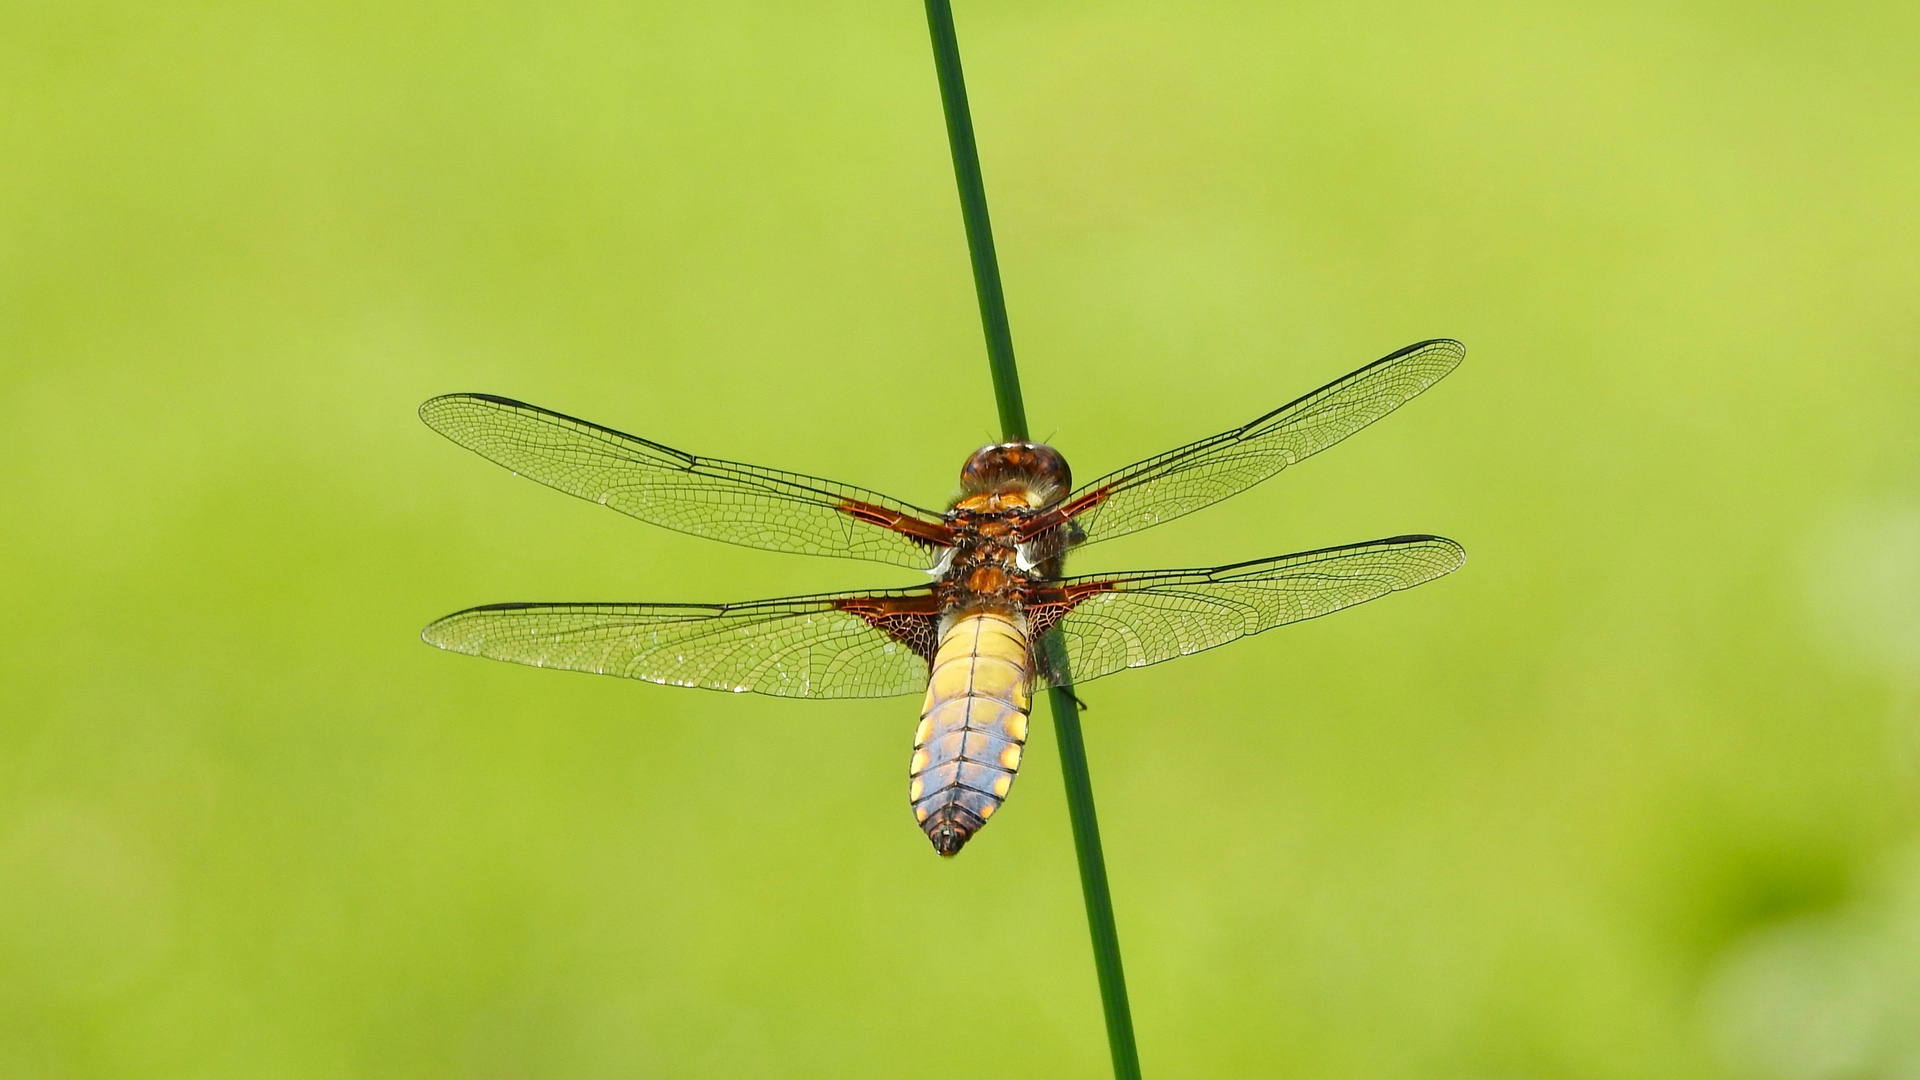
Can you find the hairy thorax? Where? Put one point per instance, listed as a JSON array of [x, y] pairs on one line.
[[990, 567], [984, 568]]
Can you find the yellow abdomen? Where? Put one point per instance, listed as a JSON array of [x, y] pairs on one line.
[[972, 727]]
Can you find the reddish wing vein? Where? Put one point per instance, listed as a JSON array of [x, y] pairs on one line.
[[723, 500]]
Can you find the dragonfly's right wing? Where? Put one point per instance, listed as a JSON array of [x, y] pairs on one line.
[[831, 646], [1202, 473], [1110, 623], [722, 500]]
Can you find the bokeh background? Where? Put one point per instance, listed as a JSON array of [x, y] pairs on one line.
[[1630, 796]]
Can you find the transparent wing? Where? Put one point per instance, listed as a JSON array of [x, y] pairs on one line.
[[723, 500], [840, 646], [1202, 473], [1107, 624]]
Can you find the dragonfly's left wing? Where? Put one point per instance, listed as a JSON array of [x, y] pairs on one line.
[[1110, 623], [723, 500], [848, 645]]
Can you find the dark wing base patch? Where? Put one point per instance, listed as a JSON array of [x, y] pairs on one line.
[[826, 646], [913, 621]]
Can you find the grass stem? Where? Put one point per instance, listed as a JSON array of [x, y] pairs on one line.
[[973, 210], [1013, 426]]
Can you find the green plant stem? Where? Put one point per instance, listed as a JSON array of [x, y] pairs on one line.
[[1013, 425], [973, 210], [1093, 882]]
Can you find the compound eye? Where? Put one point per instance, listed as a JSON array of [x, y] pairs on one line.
[[1015, 466], [1050, 466]]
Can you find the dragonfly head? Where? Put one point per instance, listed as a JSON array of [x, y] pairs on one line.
[[1035, 470]]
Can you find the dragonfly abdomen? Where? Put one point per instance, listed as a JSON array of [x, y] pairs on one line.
[[973, 727]]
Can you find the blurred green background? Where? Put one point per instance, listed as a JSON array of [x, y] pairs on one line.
[[1630, 796]]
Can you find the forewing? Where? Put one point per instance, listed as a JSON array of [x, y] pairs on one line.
[[1199, 474], [723, 500], [844, 646], [1107, 624]]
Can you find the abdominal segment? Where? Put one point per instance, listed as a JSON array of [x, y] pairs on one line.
[[972, 728]]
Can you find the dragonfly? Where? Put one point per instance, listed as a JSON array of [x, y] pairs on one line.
[[997, 620]]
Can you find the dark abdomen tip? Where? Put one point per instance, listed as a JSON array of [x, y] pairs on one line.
[[950, 827]]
